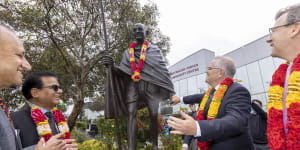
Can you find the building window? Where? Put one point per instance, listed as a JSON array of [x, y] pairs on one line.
[[202, 85], [267, 69], [183, 87], [241, 74], [176, 87], [255, 79], [192, 85]]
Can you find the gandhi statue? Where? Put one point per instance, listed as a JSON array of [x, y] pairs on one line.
[[141, 80]]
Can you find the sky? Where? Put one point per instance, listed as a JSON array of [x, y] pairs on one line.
[[217, 25]]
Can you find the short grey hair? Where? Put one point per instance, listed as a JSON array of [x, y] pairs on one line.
[[293, 13], [226, 64]]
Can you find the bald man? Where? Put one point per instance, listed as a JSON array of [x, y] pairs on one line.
[[12, 66]]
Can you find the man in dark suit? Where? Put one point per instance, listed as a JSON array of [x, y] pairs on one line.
[[12, 65], [42, 90], [188, 141], [228, 130]]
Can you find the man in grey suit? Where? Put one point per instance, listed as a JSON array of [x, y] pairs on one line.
[[12, 65]]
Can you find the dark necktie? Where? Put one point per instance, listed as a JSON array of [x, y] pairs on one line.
[[51, 123], [211, 95]]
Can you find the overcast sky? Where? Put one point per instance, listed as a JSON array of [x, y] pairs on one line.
[[218, 25]]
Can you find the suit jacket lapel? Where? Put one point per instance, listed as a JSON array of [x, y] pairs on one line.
[[10, 136], [17, 135]]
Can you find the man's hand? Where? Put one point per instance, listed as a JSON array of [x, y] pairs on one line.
[[184, 148], [56, 143], [107, 61], [69, 145], [187, 126], [192, 107], [40, 145], [175, 100]]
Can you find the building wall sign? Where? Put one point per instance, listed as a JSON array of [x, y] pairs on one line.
[[185, 71], [192, 65]]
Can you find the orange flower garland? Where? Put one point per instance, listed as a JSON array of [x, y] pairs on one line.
[[136, 72], [42, 124], [213, 107], [275, 130]]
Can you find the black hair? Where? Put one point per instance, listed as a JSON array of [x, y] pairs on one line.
[[34, 81], [256, 100]]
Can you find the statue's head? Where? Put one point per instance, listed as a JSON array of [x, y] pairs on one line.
[[140, 32]]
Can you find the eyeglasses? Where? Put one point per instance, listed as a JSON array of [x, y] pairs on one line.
[[54, 87], [271, 30], [211, 68]]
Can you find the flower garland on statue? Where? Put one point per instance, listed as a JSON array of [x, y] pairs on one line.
[[213, 107], [42, 124], [275, 129], [136, 72]]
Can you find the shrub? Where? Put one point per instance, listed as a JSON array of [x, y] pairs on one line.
[[81, 125], [94, 145], [78, 135]]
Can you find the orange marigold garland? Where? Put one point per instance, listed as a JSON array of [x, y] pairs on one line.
[[42, 124], [61, 123], [277, 139], [136, 72], [213, 107]]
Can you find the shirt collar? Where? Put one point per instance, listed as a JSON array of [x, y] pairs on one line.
[[41, 108]]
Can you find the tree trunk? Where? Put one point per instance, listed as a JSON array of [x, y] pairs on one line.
[[78, 105]]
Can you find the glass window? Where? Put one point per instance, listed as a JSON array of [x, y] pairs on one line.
[[241, 74], [267, 69], [255, 79], [182, 88], [176, 87], [192, 85], [202, 85]]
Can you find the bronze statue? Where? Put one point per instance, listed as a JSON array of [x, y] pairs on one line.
[[141, 80]]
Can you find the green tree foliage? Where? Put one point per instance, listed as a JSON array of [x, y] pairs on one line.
[[66, 37]]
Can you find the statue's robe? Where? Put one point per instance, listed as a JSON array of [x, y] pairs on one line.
[[154, 71]]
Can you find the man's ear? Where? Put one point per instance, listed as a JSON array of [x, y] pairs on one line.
[[34, 92], [295, 30], [222, 72]]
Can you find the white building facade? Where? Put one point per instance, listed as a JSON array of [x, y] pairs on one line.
[[254, 64]]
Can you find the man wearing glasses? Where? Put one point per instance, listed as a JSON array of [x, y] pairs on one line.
[[221, 120], [284, 100], [43, 92]]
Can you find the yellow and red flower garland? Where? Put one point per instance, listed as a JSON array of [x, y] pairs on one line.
[[213, 107], [42, 124], [275, 129], [136, 72]]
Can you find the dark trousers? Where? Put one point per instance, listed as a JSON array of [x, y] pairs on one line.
[[149, 94]]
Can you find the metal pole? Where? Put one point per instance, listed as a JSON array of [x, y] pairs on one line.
[[109, 74]]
